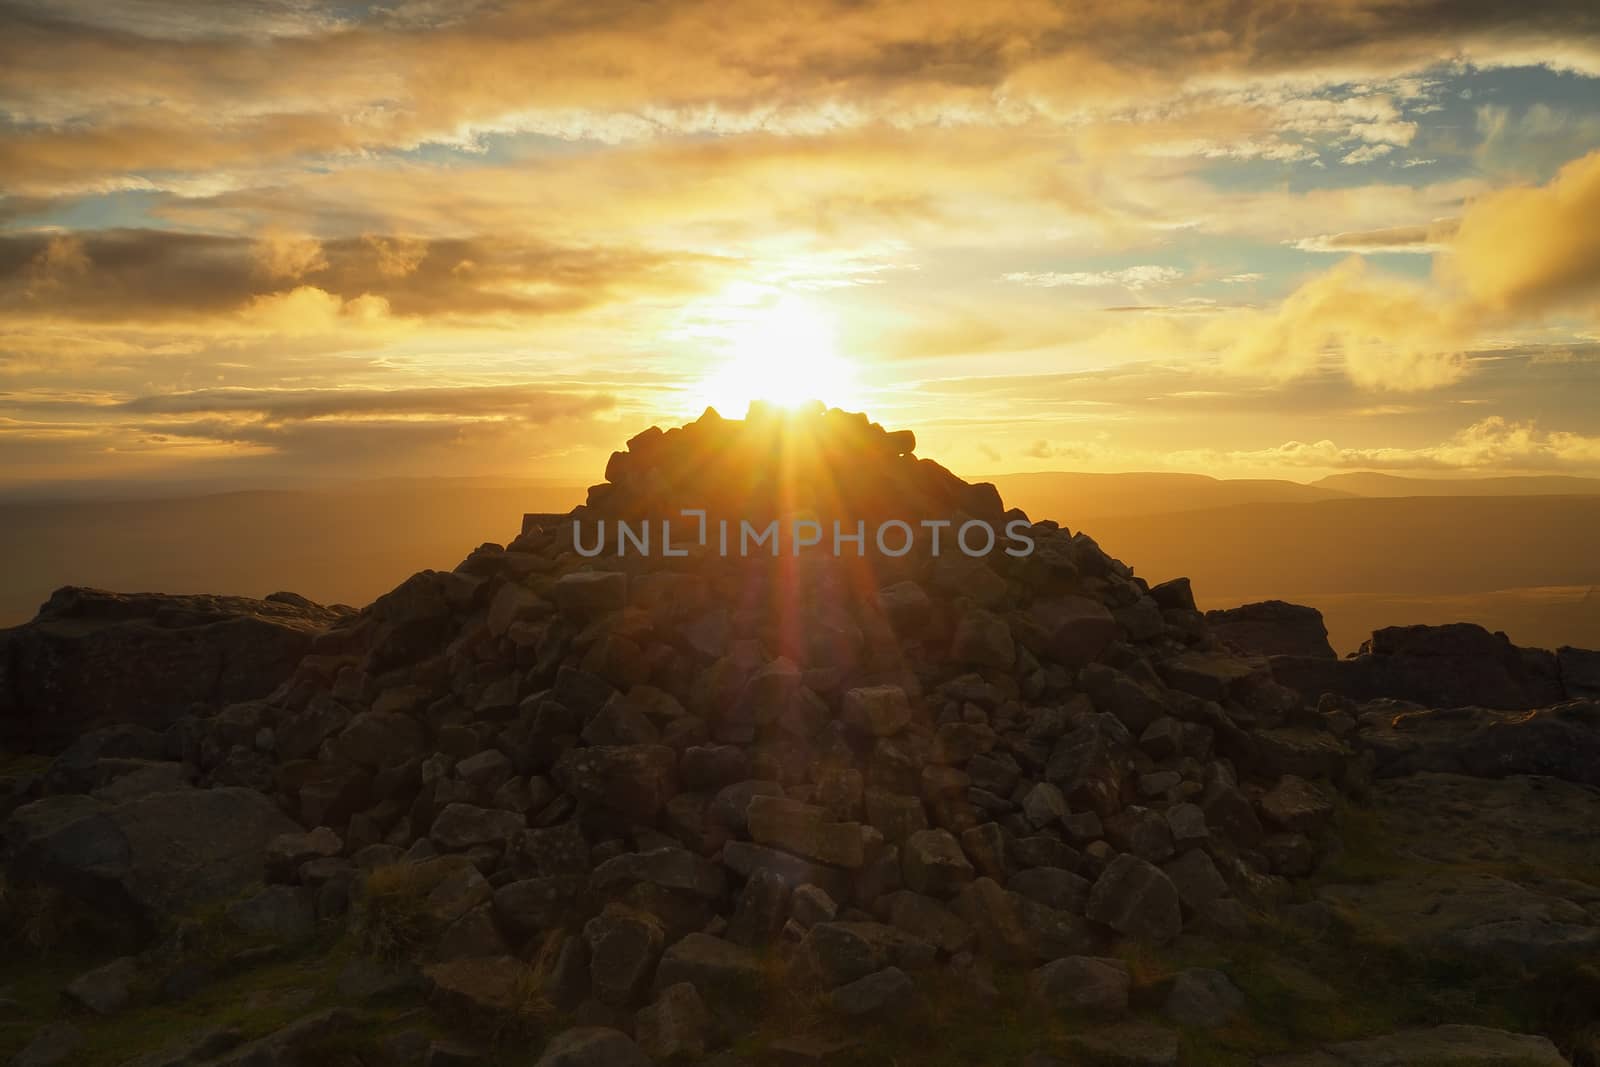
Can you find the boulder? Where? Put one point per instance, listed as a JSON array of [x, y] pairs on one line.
[[154, 857], [1092, 984], [1137, 900], [933, 863], [592, 1046], [636, 780], [1202, 997], [876, 997], [676, 1025], [1273, 628], [93, 657]]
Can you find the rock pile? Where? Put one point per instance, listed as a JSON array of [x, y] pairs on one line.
[[668, 781]]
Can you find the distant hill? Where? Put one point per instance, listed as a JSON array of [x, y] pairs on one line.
[[1068, 496], [1522, 563], [1373, 484]]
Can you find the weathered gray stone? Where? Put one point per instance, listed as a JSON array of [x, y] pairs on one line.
[[592, 1046], [878, 996], [1135, 899], [677, 1024], [1202, 997], [933, 863], [624, 946], [105, 990], [880, 710], [1094, 984]]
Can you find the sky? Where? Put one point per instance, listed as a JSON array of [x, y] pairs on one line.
[[285, 241]]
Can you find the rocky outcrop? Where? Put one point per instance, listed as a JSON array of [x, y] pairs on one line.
[[1454, 665], [1562, 741], [91, 657], [148, 860], [653, 792], [1273, 628]]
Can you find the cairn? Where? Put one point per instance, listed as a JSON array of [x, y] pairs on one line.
[[667, 780]]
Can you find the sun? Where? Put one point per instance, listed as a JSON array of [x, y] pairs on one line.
[[785, 353]]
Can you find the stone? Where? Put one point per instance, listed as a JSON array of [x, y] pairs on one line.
[[624, 946], [760, 912], [985, 846], [1128, 1044], [159, 855], [675, 869], [1045, 805], [279, 913], [926, 918], [1091, 984], [1197, 881], [878, 996], [1272, 628], [485, 771], [842, 952], [550, 851], [1137, 900], [376, 739], [590, 594], [933, 863], [1187, 825], [462, 826], [812, 1050], [53, 1044], [1202, 997], [731, 807], [1077, 628], [288, 1044], [810, 905], [91, 656], [592, 1046], [197, 1046], [1141, 831], [804, 830], [532, 906], [744, 858], [717, 967], [635, 780], [1452, 1043], [1297, 805], [983, 639], [287, 852], [1052, 887], [1207, 675], [677, 1024], [107, 989], [895, 815], [879, 710], [906, 606]]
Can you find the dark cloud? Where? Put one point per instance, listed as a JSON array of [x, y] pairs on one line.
[[123, 275]]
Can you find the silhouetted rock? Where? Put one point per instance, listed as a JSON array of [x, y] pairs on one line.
[[1273, 628], [91, 657]]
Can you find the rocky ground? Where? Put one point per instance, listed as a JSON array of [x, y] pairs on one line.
[[549, 809]]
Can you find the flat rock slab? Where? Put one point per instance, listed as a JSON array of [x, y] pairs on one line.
[[1445, 829], [1455, 1045], [1133, 1044]]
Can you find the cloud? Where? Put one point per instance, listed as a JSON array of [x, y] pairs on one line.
[[154, 275], [1386, 333], [289, 256], [155, 88], [1424, 239], [1525, 250], [1491, 444], [1138, 277], [1367, 153]]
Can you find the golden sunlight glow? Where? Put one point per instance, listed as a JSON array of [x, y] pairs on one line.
[[783, 352]]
